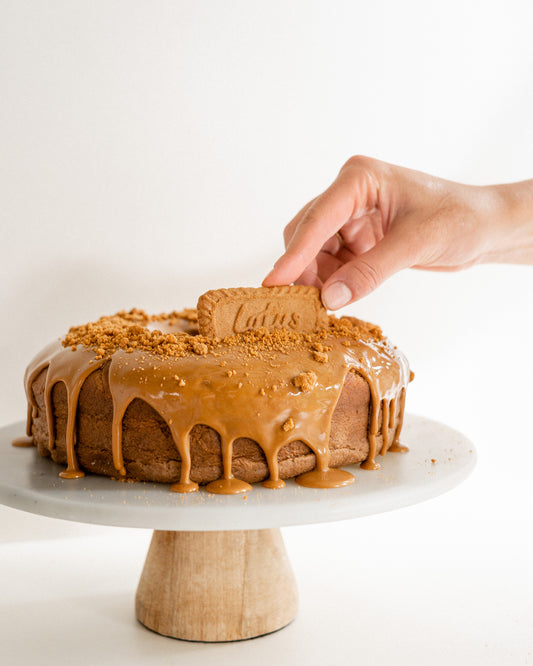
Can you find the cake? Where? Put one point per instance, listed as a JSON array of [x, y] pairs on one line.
[[255, 385]]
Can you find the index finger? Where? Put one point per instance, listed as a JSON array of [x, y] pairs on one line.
[[327, 214]]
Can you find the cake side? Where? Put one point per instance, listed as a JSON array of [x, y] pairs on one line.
[[150, 453]]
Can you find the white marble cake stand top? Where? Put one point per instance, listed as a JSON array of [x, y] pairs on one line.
[[439, 459]]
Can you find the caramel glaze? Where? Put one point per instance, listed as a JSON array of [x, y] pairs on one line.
[[23, 441], [238, 395]]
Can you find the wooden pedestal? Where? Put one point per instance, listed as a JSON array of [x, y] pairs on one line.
[[216, 586]]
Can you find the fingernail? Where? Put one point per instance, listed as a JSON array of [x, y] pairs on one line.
[[336, 295]]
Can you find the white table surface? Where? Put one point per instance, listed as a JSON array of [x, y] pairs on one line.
[[391, 589]]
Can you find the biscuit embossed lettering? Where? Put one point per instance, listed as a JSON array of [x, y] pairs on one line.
[[251, 316], [223, 312]]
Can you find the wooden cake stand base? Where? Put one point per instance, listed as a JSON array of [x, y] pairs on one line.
[[217, 569], [216, 586]]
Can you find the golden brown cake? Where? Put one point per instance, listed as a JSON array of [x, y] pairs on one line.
[[269, 388]]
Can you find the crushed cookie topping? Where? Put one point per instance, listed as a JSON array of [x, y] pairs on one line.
[[320, 356], [305, 381], [288, 425], [136, 330]]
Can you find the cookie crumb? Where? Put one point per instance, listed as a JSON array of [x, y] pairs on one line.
[[288, 425], [199, 348], [305, 381]]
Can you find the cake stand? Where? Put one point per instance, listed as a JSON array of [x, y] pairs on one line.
[[217, 568]]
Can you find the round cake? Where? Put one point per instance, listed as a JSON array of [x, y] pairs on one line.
[[186, 398]]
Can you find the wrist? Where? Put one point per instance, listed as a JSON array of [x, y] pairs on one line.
[[511, 213]]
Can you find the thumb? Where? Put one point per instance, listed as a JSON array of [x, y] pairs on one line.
[[362, 275]]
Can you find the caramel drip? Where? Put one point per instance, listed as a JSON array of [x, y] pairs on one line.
[[396, 447], [184, 485], [386, 372], [388, 423], [72, 367], [385, 425], [228, 484], [23, 441], [273, 480], [330, 478], [392, 416], [31, 412], [238, 395], [39, 363], [119, 409], [370, 463], [227, 403]]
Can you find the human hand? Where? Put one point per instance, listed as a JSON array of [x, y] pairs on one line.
[[377, 218]]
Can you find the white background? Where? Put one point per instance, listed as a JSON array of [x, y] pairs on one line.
[[150, 151]]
